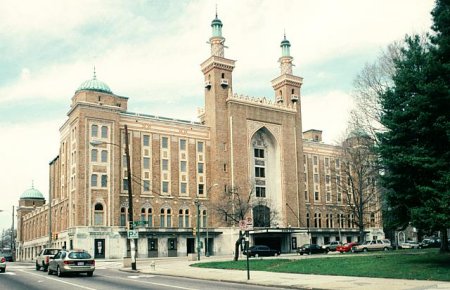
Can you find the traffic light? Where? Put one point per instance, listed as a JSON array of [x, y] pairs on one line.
[[194, 231]]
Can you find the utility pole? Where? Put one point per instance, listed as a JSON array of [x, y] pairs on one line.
[[130, 200], [13, 248]]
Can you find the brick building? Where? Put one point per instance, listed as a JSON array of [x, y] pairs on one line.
[[245, 145]]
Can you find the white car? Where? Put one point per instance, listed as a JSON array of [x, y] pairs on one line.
[[2, 264], [410, 245]]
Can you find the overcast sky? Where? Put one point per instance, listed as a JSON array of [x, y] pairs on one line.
[[150, 51]]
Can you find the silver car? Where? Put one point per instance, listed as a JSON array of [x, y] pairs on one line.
[[72, 261]]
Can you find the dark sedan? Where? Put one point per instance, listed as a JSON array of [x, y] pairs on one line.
[[260, 251], [310, 249]]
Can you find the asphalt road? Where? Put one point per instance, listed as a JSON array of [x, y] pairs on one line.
[[18, 277]]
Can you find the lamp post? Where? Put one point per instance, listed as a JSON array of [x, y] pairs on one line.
[[130, 194], [197, 204]]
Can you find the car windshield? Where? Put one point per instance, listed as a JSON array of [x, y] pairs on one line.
[[79, 255], [51, 252]]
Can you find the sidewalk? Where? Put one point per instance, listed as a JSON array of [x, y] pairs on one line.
[[180, 267]]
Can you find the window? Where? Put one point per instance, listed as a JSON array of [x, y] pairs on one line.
[[183, 165], [104, 180], [328, 196], [150, 217], [200, 168], [181, 219], [260, 191], [98, 214], [162, 219], [316, 178], [169, 218], [125, 184], [165, 164], [372, 219], [259, 153], [315, 160], [327, 162], [182, 145], [201, 188], [200, 147], [306, 195], [327, 178], [94, 155], [146, 161], [307, 220], [204, 219], [94, 130], [104, 132], [260, 172], [183, 187], [104, 156], [337, 163], [146, 185], [146, 140], [94, 180], [165, 142], [316, 195], [122, 217], [165, 187], [339, 196], [317, 220]]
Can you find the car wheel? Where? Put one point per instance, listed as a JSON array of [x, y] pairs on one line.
[[44, 267], [386, 249], [2, 270], [301, 254], [341, 252], [37, 266], [256, 255], [365, 250], [327, 250], [58, 272], [89, 274], [49, 272]]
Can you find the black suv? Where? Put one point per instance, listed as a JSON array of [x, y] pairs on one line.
[[256, 251]]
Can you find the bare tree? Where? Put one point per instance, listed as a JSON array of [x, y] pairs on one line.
[[235, 205], [358, 173]]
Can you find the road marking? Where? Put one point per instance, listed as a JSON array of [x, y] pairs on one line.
[[58, 280], [151, 283], [9, 273]]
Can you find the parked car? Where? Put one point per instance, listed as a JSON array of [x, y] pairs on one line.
[[332, 246], [309, 249], [8, 256], [347, 247], [410, 245], [376, 245], [260, 250], [43, 258], [72, 261], [2, 264], [431, 243]]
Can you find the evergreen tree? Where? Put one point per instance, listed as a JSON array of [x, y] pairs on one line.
[[415, 149]]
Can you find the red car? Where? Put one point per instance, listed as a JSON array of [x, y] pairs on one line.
[[347, 247]]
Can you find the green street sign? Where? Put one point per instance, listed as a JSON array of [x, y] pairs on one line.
[[132, 234]]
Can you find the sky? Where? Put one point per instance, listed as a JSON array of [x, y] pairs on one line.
[[151, 51]]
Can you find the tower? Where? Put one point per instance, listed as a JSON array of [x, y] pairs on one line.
[[218, 78]]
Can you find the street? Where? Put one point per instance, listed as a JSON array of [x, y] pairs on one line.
[[23, 276]]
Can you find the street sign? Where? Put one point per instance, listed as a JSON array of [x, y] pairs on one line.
[[243, 225], [249, 221], [246, 225], [132, 234]]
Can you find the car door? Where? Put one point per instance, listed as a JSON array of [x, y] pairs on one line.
[[52, 262]]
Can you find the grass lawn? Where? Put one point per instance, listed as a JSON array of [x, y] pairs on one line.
[[425, 264]]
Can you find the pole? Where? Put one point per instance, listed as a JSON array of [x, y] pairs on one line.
[[13, 248], [197, 203], [130, 200], [50, 207], [247, 234], [207, 238]]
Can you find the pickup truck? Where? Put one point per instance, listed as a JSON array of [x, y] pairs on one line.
[[42, 260]]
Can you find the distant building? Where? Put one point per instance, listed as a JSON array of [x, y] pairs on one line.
[[241, 144]]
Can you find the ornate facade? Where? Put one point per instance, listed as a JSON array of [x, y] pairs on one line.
[[242, 145]]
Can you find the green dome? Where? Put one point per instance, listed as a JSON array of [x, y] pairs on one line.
[[216, 21], [94, 85], [32, 193], [285, 42]]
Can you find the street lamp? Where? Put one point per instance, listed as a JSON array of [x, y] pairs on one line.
[[130, 195], [207, 228], [197, 204]]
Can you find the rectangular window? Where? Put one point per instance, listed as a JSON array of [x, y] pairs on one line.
[[104, 132], [328, 196], [162, 221], [94, 180], [327, 179], [146, 185], [165, 164], [338, 163], [146, 140], [125, 184], [260, 172], [200, 168], [183, 187], [165, 142], [316, 195], [260, 191], [104, 156], [327, 162], [94, 130], [201, 188], [259, 153], [146, 161], [104, 180], [182, 145], [165, 187], [94, 155], [315, 160], [200, 147], [306, 195], [316, 178], [183, 165]]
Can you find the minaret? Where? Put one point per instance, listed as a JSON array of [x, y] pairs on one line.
[[286, 86], [216, 40]]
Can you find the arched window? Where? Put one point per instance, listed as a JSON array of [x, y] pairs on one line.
[[104, 132], [94, 130], [143, 214], [150, 217], [98, 214], [104, 156], [169, 218], [372, 219], [186, 218], [94, 155], [317, 220], [181, 218], [123, 217], [162, 218], [261, 216]]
